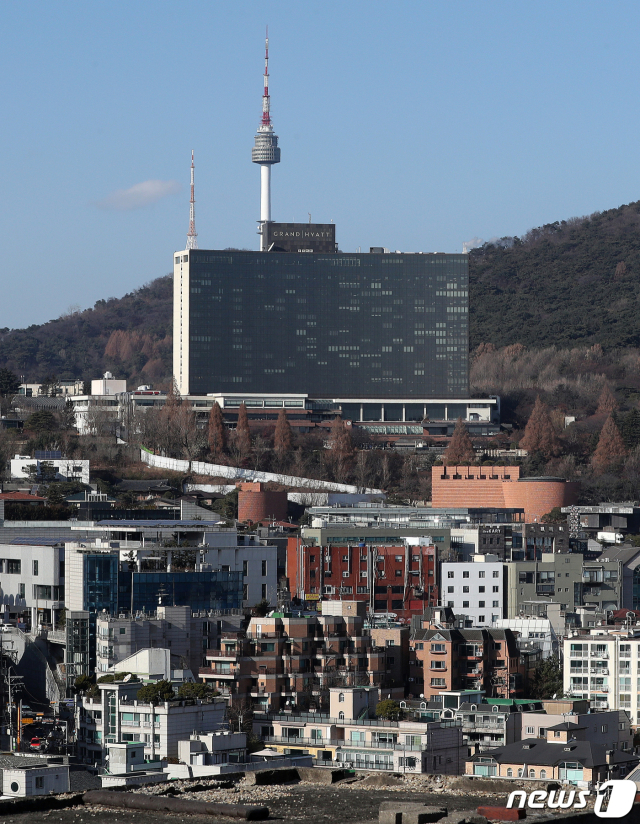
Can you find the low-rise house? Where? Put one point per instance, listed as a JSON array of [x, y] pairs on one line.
[[567, 755], [22, 777], [611, 729], [485, 722], [350, 736], [66, 469]]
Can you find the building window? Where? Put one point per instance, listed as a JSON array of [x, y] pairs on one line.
[[35, 567], [496, 589], [341, 697], [465, 589], [40, 778], [264, 591], [450, 589], [496, 574], [264, 568], [480, 589], [480, 604], [481, 574], [481, 619], [450, 574], [465, 605], [465, 573]]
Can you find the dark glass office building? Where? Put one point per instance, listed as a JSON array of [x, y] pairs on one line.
[[330, 325]]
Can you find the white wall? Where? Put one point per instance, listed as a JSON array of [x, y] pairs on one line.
[[458, 576], [200, 468]]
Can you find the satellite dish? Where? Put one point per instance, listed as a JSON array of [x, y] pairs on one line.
[[127, 678]]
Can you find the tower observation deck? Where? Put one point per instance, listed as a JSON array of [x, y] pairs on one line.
[[265, 152]]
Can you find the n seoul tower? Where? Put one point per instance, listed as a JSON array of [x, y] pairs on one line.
[[266, 153]]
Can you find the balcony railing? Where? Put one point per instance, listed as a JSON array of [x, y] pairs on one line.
[[341, 742]]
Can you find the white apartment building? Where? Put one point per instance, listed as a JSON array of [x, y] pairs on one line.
[[117, 717], [32, 591], [475, 589], [604, 667]]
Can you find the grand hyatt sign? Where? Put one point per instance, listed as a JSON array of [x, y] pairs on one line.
[[301, 237]]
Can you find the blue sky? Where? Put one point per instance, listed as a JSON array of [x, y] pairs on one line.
[[416, 125]]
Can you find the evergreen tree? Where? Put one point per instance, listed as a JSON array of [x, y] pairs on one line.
[[540, 434], [283, 437], [547, 679], [243, 432], [610, 450], [607, 402], [9, 383], [460, 449], [156, 693], [217, 431], [629, 427]]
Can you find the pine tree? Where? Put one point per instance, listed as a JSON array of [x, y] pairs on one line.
[[607, 402], [540, 434], [629, 427], [243, 432], [283, 436], [217, 431], [460, 450], [610, 450]]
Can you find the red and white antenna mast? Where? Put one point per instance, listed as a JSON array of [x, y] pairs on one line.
[[266, 101], [192, 235]]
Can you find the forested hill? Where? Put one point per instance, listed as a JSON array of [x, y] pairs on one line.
[[567, 283], [570, 282], [129, 336]]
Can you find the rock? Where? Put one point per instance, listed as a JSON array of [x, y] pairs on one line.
[[381, 780], [402, 812], [463, 817]]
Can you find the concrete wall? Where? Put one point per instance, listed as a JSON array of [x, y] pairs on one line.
[[216, 470]]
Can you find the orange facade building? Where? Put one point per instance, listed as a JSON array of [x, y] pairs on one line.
[[499, 487]]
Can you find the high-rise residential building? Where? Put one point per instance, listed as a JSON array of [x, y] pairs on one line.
[[364, 327], [603, 667]]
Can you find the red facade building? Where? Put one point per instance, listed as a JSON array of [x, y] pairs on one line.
[[401, 579]]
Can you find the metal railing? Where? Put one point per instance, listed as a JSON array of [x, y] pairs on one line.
[[341, 742]]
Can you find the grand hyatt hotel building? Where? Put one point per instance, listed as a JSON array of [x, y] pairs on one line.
[[381, 338]]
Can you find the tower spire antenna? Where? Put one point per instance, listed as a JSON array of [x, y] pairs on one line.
[[192, 235], [265, 152]]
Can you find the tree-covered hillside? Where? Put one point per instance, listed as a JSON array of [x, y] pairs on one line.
[[565, 283], [130, 336]]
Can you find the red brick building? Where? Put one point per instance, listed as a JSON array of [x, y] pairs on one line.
[[255, 503], [499, 487], [400, 579], [442, 660]]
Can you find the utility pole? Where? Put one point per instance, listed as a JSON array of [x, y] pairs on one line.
[[12, 684]]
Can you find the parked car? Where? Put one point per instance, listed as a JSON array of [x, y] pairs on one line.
[[36, 744]]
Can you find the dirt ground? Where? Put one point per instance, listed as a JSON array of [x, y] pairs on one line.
[[289, 804]]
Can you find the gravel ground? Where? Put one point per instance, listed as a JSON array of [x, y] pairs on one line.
[[357, 802]]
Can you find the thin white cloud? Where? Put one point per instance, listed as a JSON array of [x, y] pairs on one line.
[[141, 195]]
